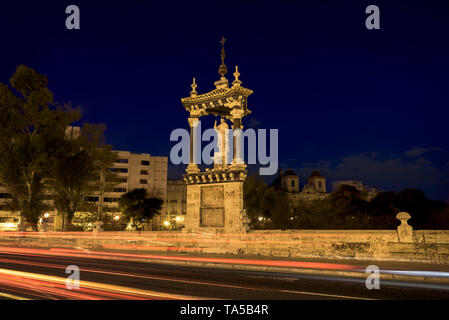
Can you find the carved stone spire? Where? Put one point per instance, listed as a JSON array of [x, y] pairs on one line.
[[193, 93], [222, 70]]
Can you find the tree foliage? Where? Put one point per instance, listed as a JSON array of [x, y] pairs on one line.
[[138, 207], [79, 168], [346, 208], [38, 159], [265, 206], [29, 126]]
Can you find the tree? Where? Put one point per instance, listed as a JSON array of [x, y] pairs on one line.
[[383, 209], [270, 205], [315, 214], [276, 208], [137, 207], [78, 168], [253, 190], [30, 123]]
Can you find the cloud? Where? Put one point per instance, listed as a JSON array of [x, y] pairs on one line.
[[418, 151], [395, 173], [253, 122]]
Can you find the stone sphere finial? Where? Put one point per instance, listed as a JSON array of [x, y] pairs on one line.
[[403, 217]]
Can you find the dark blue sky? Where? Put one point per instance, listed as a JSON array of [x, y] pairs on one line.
[[361, 104]]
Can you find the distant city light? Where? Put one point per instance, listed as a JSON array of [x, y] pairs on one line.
[[166, 223], [46, 215], [116, 217], [260, 218]]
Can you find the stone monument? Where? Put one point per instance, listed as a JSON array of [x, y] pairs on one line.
[[215, 196]]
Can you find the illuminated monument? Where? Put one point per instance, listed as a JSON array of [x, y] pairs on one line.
[[215, 196]]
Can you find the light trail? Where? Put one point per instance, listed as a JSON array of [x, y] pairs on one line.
[[160, 278], [109, 255], [134, 275], [11, 296], [88, 290], [81, 253], [419, 273], [19, 283]]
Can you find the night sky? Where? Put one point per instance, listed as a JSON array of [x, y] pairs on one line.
[[353, 103]]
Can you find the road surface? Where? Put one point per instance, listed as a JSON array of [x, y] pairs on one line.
[[33, 274]]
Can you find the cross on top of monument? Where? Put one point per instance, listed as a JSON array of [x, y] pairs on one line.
[[222, 70], [222, 41]]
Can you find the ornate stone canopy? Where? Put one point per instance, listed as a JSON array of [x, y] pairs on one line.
[[227, 102], [218, 102]]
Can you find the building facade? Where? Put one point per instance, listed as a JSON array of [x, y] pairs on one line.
[[176, 197], [315, 188], [133, 170], [175, 205]]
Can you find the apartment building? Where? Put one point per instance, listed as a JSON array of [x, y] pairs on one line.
[[175, 207], [176, 198], [134, 171]]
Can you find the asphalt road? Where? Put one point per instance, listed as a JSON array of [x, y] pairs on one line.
[[38, 276]]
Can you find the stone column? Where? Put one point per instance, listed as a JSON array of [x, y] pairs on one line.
[[193, 167], [237, 115]]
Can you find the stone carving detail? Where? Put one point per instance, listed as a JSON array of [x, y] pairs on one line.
[[220, 157]]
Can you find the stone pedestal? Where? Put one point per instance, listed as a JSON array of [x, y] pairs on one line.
[[215, 202]]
